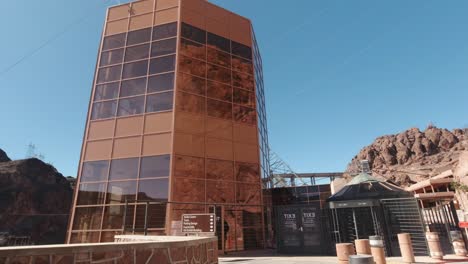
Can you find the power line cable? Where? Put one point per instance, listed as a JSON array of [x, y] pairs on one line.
[[50, 40]]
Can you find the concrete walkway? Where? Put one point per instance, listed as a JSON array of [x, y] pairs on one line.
[[270, 257]]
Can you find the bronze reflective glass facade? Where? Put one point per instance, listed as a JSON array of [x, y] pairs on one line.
[[176, 118]]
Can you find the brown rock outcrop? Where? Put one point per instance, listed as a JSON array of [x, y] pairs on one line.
[[3, 156], [412, 155], [35, 201]]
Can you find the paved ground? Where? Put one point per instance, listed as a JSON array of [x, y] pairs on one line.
[[269, 257]]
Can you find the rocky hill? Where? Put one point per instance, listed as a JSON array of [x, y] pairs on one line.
[[3, 156], [412, 155], [35, 200]]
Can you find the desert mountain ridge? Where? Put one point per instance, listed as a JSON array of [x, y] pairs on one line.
[[35, 200], [412, 155]]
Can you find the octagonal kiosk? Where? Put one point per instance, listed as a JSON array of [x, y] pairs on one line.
[[367, 206]]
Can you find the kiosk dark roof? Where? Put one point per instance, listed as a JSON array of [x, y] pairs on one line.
[[366, 187]]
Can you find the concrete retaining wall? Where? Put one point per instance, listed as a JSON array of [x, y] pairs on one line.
[[130, 250]]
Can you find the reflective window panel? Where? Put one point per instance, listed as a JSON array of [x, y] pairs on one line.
[[159, 102], [191, 84], [244, 115], [155, 166], [219, 91], [106, 91], [133, 87], [241, 50], [156, 216], [139, 36], [247, 172], [161, 82], [192, 49], [190, 103], [163, 47], [109, 74], [104, 109], [189, 167], [243, 81], [137, 52], [219, 57], [121, 169], [219, 42], [94, 171], [219, 109], [111, 57], [119, 192], [114, 41], [165, 31], [131, 106], [87, 218], [219, 170], [162, 64], [193, 33], [153, 190], [244, 97], [248, 193], [192, 66], [242, 65], [91, 193], [135, 69], [114, 215], [219, 74]]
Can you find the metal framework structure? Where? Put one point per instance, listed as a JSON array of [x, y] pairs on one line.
[[282, 175]]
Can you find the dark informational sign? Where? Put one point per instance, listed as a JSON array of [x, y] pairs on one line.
[[289, 220], [309, 218], [198, 223]]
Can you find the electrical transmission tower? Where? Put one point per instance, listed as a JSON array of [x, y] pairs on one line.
[[281, 173], [31, 152]]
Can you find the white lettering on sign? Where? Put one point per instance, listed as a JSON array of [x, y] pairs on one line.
[[198, 223], [289, 216], [309, 214]]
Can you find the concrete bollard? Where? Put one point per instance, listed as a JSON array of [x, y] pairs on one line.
[[343, 251], [362, 246], [361, 259], [377, 249], [406, 247], [433, 241], [458, 243]]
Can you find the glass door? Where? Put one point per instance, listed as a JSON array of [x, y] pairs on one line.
[[289, 228]]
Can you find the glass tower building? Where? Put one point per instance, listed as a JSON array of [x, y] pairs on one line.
[[176, 124]]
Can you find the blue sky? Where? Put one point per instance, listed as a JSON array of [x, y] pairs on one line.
[[337, 73]]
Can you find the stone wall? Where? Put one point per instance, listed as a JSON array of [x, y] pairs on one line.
[[135, 249]]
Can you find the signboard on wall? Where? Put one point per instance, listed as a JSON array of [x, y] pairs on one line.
[[198, 223]]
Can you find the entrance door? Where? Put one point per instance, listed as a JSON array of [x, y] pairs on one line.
[[299, 230], [311, 230]]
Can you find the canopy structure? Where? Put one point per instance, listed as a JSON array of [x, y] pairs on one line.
[[366, 187], [368, 206]]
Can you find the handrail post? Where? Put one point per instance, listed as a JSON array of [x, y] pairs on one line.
[[146, 218], [125, 215]]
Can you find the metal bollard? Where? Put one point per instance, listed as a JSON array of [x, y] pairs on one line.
[[362, 246], [377, 249], [433, 242], [343, 251], [406, 247], [361, 259]]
